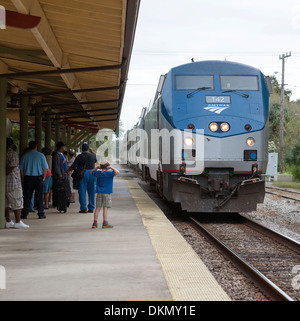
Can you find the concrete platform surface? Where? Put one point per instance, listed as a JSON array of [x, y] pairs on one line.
[[62, 258], [187, 276]]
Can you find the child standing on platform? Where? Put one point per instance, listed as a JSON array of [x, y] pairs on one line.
[[105, 177]]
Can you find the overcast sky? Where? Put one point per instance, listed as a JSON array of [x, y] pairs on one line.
[[171, 32]]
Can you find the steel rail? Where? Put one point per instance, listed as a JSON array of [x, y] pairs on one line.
[[284, 191], [266, 285], [284, 196], [282, 239]]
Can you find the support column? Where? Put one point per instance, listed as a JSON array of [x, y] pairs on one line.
[[68, 138], [3, 91], [63, 134], [48, 132], [24, 111], [57, 131], [38, 127]]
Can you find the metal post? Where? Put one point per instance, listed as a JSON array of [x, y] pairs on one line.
[[24, 111], [3, 90], [38, 128], [48, 132], [63, 134], [281, 124], [68, 138], [57, 131]]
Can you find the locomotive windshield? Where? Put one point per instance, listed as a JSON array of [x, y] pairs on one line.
[[194, 82], [239, 82]]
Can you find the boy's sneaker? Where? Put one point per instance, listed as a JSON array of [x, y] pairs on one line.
[[10, 224], [106, 225], [95, 225], [21, 225]]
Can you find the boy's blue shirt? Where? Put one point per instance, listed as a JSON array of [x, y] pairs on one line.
[[104, 181]]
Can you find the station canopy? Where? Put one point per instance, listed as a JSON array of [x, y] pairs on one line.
[[74, 63]]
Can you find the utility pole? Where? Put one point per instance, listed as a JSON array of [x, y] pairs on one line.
[[281, 125]]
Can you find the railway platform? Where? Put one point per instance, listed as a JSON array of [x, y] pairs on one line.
[[142, 258]]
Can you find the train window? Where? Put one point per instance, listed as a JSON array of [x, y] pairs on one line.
[[194, 82], [233, 82]]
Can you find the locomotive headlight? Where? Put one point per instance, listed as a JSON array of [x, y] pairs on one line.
[[225, 127], [250, 141], [188, 141], [213, 127]]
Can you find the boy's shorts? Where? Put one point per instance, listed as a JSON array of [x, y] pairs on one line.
[[103, 200]]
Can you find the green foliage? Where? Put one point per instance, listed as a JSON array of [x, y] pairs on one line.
[[293, 160], [293, 156], [15, 134], [272, 147], [296, 173], [291, 127], [293, 185], [274, 121], [120, 130], [277, 88]]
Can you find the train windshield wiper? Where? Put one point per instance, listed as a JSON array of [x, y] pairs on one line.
[[236, 91], [198, 89]]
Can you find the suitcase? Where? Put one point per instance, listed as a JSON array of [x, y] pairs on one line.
[[63, 195]]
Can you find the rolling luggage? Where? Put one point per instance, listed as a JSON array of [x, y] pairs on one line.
[[63, 195]]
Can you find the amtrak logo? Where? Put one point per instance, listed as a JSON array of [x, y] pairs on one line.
[[215, 109]]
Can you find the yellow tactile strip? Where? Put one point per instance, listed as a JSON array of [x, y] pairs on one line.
[[187, 277]]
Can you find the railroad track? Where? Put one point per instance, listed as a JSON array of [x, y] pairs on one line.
[[263, 255], [291, 195]]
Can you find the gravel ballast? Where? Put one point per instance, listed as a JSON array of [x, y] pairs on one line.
[[277, 213]]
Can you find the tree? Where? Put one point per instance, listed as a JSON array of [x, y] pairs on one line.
[[15, 134], [272, 147], [120, 130], [277, 88], [274, 120], [293, 159]]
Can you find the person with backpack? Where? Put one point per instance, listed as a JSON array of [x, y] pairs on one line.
[[87, 183]]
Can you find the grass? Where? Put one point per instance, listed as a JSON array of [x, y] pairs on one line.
[[293, 185]]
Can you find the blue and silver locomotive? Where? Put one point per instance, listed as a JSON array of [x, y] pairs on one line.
[[219, 162]]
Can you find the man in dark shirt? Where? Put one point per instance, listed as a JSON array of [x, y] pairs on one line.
[[86, 159], [57, 161], [57, 169]]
